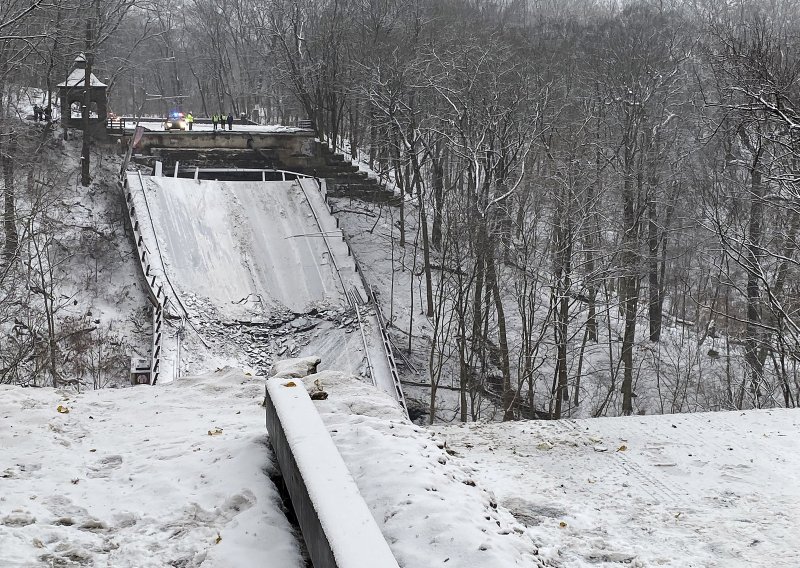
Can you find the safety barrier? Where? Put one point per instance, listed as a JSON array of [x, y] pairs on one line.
[[115, 126], [337, 526], [385, 339], [388, 351], [155, 290]]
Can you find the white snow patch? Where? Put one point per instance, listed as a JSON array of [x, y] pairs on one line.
[[141, 477], [296, 368], [707, 489], [429, 508]]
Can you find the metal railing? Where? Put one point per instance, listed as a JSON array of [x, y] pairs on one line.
[[385, 339], [155, 290], [115, 126], [198, 170]]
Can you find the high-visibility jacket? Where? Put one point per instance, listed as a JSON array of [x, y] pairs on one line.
[[189, 118]]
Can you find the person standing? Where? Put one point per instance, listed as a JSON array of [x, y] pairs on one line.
[[214, 119], [230, 121], [47, 114], [36, 111], [189, 120]]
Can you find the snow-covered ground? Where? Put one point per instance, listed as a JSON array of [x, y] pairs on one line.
[[176, 475], [706, 489], [428, 505]]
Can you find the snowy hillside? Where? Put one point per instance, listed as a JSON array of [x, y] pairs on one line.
[[706, 489], [178, 475], [140, 477], [546, 275]]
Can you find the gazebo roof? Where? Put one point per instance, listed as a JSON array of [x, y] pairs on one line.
[[77, 78]]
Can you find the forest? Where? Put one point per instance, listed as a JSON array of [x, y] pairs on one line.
[[601, 199]]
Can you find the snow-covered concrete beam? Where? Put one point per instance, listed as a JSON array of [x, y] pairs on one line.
[[291, 150], [338, 528]]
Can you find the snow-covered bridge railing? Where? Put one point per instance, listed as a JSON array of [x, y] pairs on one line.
[[387, 363], [337, 526], [155, 289], [255, 174], [383, 368]]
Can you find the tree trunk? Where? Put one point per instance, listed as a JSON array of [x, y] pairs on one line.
[[591, 288], [629, 289], [509, 394], [87, 106], [562, 267], [478, 231], [7, 152], [426, 246], [593, 192], [753, 255], [437, 169], [656, 241], [463, 368], [654, 288]]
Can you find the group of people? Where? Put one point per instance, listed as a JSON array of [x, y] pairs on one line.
[[220, 120], [42, 113]]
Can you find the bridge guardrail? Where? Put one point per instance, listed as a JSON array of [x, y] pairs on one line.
[[318, 482], [385, 339], [155, 290]]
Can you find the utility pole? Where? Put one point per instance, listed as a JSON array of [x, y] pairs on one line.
[[87, 100]]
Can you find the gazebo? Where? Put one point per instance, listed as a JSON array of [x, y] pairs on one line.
[[71, 94]]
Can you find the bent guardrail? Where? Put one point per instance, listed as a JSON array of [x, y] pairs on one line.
[[386, 345], [154, 289]]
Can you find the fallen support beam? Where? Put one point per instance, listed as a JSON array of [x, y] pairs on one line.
[[338, 528]]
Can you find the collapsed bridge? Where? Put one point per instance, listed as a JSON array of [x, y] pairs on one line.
[[259, 254], [252, 252]]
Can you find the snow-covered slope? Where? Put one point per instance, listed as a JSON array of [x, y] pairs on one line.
[[707, 489], [178, 474], [175, 475], [429, 507], [248, 262]]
